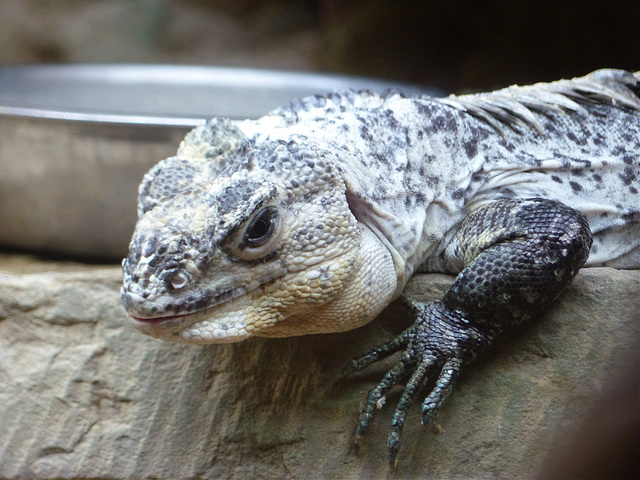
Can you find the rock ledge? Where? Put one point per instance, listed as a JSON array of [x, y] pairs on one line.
[[85, 396]]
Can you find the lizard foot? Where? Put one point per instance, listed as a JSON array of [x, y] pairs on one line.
[[434, 348]]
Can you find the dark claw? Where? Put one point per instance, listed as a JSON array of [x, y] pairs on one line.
[[366, 414], [375, 397], [439, 341], [375, 354], [501, 283], [441, 391], [393, 447]]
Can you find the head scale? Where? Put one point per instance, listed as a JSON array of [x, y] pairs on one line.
[[222, 225]]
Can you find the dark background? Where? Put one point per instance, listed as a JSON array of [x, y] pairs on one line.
[[458, 46]]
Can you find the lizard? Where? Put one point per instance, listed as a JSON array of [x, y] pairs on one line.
[[312, 218]]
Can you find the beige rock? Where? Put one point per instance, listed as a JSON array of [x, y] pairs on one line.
[[84, 396]]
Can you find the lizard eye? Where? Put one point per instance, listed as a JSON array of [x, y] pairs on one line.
[[260, 228], [259, 237]]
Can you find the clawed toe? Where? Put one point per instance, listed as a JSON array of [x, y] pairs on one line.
[[435, 348]]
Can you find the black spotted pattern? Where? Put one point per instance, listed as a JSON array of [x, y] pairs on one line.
[[521, 255]]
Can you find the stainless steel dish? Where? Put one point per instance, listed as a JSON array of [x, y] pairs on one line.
[[77, 139]]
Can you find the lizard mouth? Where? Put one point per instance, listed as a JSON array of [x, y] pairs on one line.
[[179, 319], [200, 326], [185, 306], [157, 320], [195, 320]]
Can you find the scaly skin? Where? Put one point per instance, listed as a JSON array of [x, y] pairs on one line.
[[312, 219], [518, 256]]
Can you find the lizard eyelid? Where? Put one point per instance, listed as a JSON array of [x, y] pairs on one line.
[[260, 228], [260, 236]]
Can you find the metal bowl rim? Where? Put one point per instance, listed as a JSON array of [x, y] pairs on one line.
[[183, 75]]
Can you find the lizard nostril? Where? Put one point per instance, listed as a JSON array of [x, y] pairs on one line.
[[177, 280]]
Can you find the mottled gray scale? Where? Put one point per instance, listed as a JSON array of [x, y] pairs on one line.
[[544, 140], [232, 197], [168, 179], [219, 136], [353, 192]]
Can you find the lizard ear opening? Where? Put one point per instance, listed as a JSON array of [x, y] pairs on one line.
[[355, 204]]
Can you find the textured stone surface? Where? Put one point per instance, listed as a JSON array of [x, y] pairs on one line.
[[84, 396]]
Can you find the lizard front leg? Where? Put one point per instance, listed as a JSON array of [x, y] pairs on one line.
[[515, 257]]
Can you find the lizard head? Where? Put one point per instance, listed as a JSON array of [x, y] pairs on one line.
[[235, 240]]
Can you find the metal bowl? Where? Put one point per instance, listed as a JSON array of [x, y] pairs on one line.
[[77, 139]]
